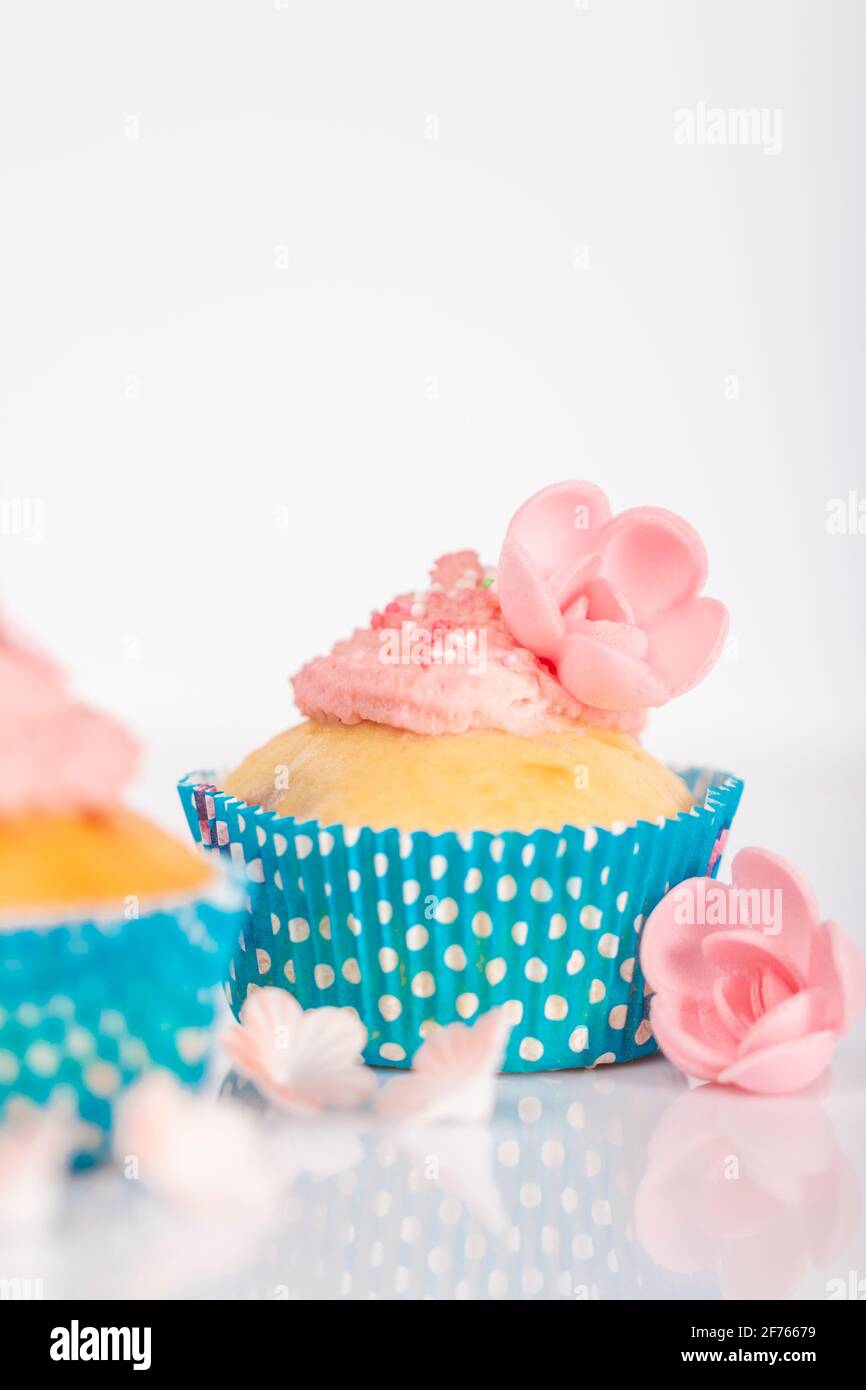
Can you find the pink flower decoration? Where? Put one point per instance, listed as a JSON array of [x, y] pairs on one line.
[[452, 1073], [613, 604], [302, 1061], [751, 988]]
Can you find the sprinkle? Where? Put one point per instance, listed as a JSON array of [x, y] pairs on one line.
[[488, 583], [510, 660]]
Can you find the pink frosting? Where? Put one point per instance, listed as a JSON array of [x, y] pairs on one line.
[[56, 755], [592, 619], [443, 661]]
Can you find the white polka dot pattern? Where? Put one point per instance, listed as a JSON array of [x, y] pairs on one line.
[[417, 931], [165, 966]]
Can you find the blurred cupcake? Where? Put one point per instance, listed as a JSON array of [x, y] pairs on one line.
[[466, 817], [111, 933]]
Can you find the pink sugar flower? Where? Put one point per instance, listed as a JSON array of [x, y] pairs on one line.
[[613, 603], [301, 1061], [452, 1074], [752, 989]]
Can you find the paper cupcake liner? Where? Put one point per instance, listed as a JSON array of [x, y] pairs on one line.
[[86, 1006], [413, 930]]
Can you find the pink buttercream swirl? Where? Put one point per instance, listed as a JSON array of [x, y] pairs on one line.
[[56, 755], [443, 661]]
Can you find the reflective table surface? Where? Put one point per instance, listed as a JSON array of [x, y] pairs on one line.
[[622, 1182]]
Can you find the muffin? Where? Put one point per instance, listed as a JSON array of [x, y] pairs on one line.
[[466, 817], [381, 776], [111, 933]]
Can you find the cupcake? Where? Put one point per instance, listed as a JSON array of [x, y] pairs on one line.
[[465, 817], [111, 933]]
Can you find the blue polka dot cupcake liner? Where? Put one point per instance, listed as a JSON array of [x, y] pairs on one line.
[[417, 930], [88, 1006]]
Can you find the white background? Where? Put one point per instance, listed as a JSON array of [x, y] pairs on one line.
[[268, 348]]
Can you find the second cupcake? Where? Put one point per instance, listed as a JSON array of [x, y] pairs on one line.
[[113, 936]]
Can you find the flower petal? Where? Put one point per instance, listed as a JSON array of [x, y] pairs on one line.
[[460, 1048], [838, 967], [787, 1067], [714, 1026], [749, 949], [770, 988], [800, 1014], [600, 674], [759, 869], [620, 637], [560, 524], [569, 583], [671, 954], [732, 996], [607, 603], [452, 1075], [528, 606], [655, 558], [302, 1060], [685, 643], [677, 1029]]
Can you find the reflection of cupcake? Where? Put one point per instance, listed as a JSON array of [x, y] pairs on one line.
[[466, 818], [111, 933]]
